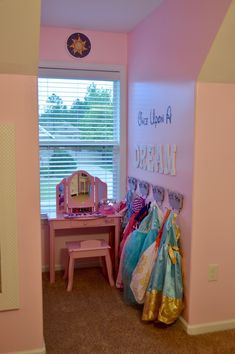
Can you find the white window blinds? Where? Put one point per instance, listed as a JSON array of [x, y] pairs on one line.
[[79, 129]]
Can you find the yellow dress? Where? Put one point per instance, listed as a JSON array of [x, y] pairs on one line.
[[164, 295]]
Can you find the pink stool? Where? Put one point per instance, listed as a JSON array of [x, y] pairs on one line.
[[87, 249]]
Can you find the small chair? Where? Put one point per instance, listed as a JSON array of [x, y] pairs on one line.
[[87, 249]]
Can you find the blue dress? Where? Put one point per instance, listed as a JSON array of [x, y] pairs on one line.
[[164, 296], [129, 198], [137, 243]]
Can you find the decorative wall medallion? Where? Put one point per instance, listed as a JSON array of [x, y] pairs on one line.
[[78, 45], [144, 188], [132, 183], [158, 194], [175, 200]]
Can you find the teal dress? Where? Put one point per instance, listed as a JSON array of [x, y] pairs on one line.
[[137, 243], [164, 296]]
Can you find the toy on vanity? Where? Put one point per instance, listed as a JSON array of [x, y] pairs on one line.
[[79, 195], [108, 206]]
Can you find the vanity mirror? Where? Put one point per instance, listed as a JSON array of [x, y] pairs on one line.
[[80, 192]]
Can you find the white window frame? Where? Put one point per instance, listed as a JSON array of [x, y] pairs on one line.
[[104, 71]]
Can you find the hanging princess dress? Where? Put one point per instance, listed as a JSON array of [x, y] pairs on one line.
[[143, 269], [164, 295], [136, 244], [137, 219], [130, 195], [137, 204]]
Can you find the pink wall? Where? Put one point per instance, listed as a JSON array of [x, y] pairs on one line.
[[22, 329], [213, 204], [145, 96], [172, 43], [165, 54], [106, 48]]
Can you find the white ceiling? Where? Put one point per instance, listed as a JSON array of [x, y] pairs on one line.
[[97, 15]]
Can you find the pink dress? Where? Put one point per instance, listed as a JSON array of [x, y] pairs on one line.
[[137, 204], [119, 283]]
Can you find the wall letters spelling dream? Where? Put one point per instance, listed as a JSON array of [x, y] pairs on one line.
[[156, 158]]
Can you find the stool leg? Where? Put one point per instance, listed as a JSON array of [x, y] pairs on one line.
[[70, 274], [103, 266], [66, 267], [109, 268]]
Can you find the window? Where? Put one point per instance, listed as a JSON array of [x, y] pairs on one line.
[[79, 129]]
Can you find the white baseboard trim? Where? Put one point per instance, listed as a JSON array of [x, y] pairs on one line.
[[33, 351], [207, 327]]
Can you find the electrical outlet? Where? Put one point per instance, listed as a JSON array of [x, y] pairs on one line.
[[213, 272]]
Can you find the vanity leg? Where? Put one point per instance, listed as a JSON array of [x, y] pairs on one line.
[[116, 245], [52, 253]]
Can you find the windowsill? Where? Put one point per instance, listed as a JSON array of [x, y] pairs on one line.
[[44, 216]]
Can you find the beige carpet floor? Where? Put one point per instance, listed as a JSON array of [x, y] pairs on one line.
[[93, 319]]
